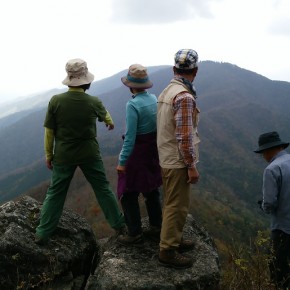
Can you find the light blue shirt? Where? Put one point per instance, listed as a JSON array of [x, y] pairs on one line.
[[276, 191], [141, 114]]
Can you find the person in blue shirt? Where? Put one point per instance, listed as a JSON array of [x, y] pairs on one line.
[[276, 202], [138, 167]]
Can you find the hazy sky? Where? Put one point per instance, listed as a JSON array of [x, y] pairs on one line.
[[39, 36]]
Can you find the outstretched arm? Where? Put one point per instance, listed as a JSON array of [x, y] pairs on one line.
[[109, 121]]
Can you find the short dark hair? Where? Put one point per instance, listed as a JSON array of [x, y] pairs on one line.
[[84, 87], [139, 90], [181, 71]]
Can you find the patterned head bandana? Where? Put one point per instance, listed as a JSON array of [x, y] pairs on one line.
[[186, 59]]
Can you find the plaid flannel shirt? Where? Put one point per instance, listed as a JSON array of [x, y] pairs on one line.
[[183, 107]]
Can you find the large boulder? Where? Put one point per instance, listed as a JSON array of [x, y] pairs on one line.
[[64, 263], [135, 268], [73, 260]]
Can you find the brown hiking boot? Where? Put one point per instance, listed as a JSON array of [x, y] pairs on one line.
[[127, 240], [185, 246], [153, 233], [173, 259], [40, 241]]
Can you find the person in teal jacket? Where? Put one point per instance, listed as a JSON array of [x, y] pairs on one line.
[[70, 142], [138, 167]]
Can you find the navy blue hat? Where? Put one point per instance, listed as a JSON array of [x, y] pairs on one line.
[[270, 140]]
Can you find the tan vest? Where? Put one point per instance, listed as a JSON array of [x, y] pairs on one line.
[[169, 154]]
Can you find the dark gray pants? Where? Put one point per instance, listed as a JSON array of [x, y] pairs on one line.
[[279, 264]]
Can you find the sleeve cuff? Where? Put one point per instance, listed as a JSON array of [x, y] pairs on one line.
[[108, 119]]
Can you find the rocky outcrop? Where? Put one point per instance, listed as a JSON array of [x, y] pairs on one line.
[[64, 263], [73, 260], [123, 268]]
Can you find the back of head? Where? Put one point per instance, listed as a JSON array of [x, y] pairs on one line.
[[270, 140], [137, 78], [77, 73], [185, 61]]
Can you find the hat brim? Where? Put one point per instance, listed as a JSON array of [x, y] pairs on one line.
[[271, 145], [75, 82], [133, 85]]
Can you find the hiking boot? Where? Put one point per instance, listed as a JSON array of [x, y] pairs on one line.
[[173, 259], [185, 246], [121, 231], [40, 241], [127, 240], [153, 233]]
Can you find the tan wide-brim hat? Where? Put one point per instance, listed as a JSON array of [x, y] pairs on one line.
[[137, 77], [77, 73]]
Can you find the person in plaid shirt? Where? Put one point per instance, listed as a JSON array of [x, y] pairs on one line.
[[177, 141]]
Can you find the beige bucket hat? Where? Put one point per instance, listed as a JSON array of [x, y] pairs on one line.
[[137, 77], [77, 73]]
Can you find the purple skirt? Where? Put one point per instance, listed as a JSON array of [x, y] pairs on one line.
[[143, 172]]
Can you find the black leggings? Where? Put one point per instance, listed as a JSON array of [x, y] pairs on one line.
[[131, 210]]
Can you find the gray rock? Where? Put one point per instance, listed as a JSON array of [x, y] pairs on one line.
[[72, 254], [128, 268], [65, 260]]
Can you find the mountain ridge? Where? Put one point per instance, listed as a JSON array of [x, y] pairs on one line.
[[235, 103], [236, 106]]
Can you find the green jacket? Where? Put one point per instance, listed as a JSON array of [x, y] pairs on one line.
[[70, 127]]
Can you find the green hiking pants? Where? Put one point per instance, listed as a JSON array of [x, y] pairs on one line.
[[55, 197]]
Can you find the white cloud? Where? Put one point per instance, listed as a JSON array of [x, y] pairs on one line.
[[159, 11], [280, 26], [38, 37]]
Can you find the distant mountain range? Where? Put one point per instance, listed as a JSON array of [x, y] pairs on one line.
[[236, 105]]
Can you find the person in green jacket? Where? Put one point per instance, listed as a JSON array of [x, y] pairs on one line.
[[70, 142]]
